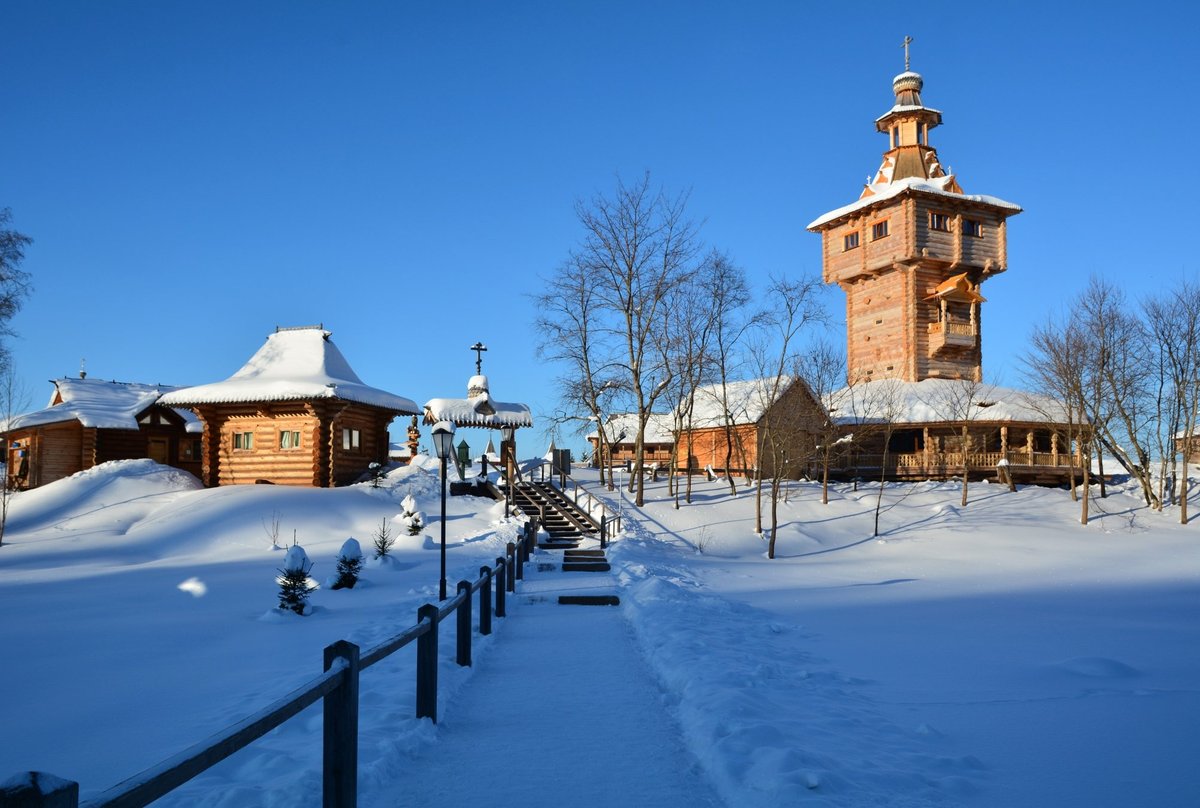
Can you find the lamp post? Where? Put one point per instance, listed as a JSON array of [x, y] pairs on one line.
[[506, 445], [443, 444]]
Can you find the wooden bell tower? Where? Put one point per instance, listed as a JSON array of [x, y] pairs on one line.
[[911, 254]]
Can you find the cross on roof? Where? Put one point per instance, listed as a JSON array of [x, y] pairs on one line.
[[907, 41], [478, 348]]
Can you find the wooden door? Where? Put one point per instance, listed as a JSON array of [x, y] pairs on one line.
[[158, 450]]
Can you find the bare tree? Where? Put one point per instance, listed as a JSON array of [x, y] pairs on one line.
[[14, 282], [638, 247], [1173, 319], [726, 286], [823, 368], [795, 306], [1060, 365], [1120, 358], [961, 401], [13, 400]]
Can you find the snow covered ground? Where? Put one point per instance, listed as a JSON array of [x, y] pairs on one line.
[[994, 655]]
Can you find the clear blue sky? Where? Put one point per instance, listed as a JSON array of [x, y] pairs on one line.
[[194, 174]]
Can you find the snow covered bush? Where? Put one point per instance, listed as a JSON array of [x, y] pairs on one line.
[[383, 539], [376, 471], [349, 564], [294, 584], [410, 517]]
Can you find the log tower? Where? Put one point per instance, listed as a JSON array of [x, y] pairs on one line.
[[911, 254]]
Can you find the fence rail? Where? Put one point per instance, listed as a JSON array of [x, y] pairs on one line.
[[610, 518], [337, 687]]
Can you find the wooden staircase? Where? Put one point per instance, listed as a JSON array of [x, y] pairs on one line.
[[566, 523]]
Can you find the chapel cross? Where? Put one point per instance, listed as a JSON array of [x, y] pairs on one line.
[[478, 348], [907, 41]]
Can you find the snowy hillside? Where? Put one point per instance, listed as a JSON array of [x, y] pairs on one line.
[[994, 655]]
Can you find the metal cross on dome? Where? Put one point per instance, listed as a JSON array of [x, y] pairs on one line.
[[907, 41], [478, 348]]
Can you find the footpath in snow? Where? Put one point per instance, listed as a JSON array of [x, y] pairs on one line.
[[561, 711]]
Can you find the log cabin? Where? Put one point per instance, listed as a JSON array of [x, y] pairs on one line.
[[911, 254], [92, 421], [295, 414], [754, 425], [619, 440]]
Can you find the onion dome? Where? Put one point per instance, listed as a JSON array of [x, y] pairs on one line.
[[907, 87]]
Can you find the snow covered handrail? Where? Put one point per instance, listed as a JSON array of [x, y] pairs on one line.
[[610, 518], [337, 687]]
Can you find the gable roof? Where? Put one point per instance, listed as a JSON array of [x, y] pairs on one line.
[[293, 364], [98, 404], [749, 401]]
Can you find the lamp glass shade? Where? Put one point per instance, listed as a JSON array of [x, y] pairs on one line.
[[443, 439], [506, 433]]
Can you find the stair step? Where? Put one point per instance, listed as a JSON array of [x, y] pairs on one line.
[[589, 600], [585, 567], [558, 545], [586, 554]]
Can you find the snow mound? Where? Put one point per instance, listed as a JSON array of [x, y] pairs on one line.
[[114, 483]]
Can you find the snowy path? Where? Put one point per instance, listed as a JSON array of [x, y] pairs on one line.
[[585, 725]]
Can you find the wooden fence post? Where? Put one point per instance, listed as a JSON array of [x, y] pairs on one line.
[[603, 530], [340, 781], [485, 601], [463, 628], [427, 651], [38, 790], [501, 575], [516, 571]]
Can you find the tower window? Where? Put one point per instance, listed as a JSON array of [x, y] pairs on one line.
[[973, 227], [879, 230], [849, 241], [939, 221]]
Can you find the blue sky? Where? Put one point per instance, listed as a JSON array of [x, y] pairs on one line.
[[194, 174]]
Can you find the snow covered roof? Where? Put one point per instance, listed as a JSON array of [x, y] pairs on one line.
[[883, 191], [938, 400], [477, 409], [660, 428], [748, 401], [99, 404], [293, 364], [481, 411]]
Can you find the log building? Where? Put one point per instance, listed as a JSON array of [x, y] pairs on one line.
[[92, 421], [295, 414], [911, 254]]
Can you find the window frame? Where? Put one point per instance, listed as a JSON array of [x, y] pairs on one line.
[[879, 230], [243, 441], [973, 228], [351, 439], [295, 440], [850, 241], [937, 217]]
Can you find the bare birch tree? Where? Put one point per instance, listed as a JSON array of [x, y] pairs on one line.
[[638, 246], [823, 368]]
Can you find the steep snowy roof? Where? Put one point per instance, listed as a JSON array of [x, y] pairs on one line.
[[887, 190], [293, 364], [748, 401], [660, 428], [99, 404], [939, 400]]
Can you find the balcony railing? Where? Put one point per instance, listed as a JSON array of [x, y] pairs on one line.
[[953, 334]]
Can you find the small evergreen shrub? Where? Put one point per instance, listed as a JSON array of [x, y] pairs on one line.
[[383, 539], [294, 584], [349, 564], [410, 517]]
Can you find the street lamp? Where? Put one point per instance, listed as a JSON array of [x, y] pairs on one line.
[[506, 440], [443, 444]]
